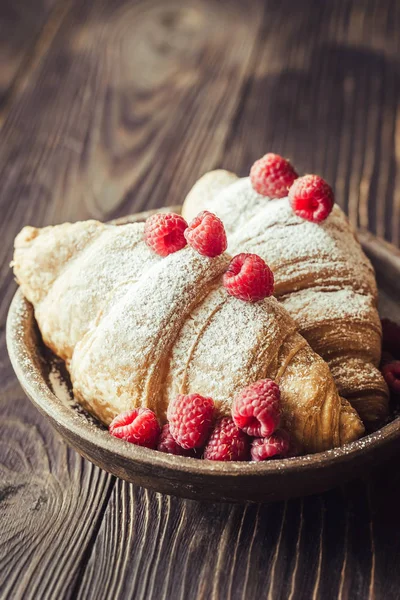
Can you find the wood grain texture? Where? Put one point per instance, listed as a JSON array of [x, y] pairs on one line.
[[127, 104], [24, 28], [135, 77], [325, 92], [153, 546], [46, 490]]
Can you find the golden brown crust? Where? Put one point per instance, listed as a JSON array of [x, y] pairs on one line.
[[136, 329], [322, 277]]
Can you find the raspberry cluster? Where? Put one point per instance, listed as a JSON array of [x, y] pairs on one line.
[[248, 277], [166, 233], [310, 197], [194, 430]]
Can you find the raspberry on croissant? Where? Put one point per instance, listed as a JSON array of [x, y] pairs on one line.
[[322, 277], [136, 329]]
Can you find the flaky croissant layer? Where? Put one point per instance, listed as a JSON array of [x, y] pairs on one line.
[[322, 277], [135, 329]]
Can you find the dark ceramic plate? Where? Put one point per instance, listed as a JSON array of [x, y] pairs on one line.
[[45, 382]]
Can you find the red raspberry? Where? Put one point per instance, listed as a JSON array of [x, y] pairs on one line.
[[278, 444], [227, 442], [249, 278], [256, 409], [138, 426], [167, 444], [311, 198], [206, 234], [391, 337], [164, 233], [272, 176], [190, 419], [391, 373]]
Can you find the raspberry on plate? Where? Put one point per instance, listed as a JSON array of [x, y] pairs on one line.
[[138, 426], [167, 444], [248, 278], [227, 442], [190, 419], [164, 233], [256, 409], [277, 445], [311, 198], [272, 176], [391, 337], [391, 373], [206, 234]]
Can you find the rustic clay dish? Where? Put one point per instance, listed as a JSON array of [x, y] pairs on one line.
[[43, 378]]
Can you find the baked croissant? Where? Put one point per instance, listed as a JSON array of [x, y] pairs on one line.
[[135, 329], [322, 277]]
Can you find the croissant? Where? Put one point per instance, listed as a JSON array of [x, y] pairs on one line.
[[322, 277], [135, 329]]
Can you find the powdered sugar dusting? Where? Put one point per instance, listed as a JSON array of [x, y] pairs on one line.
[[119, 363], [224, 345], [321, 274], [130, 326], [342, 303], [71, 302]]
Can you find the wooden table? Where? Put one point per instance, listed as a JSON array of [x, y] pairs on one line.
[[112, 106]]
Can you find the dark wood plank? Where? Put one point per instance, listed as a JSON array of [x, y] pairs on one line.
[[383, 498], [189, 543], [133, 98], [326, 93], [24, 29], [109, 119], [336, 545], [50, 503]]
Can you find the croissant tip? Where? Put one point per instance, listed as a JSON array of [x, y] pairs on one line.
[[25, 236]]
